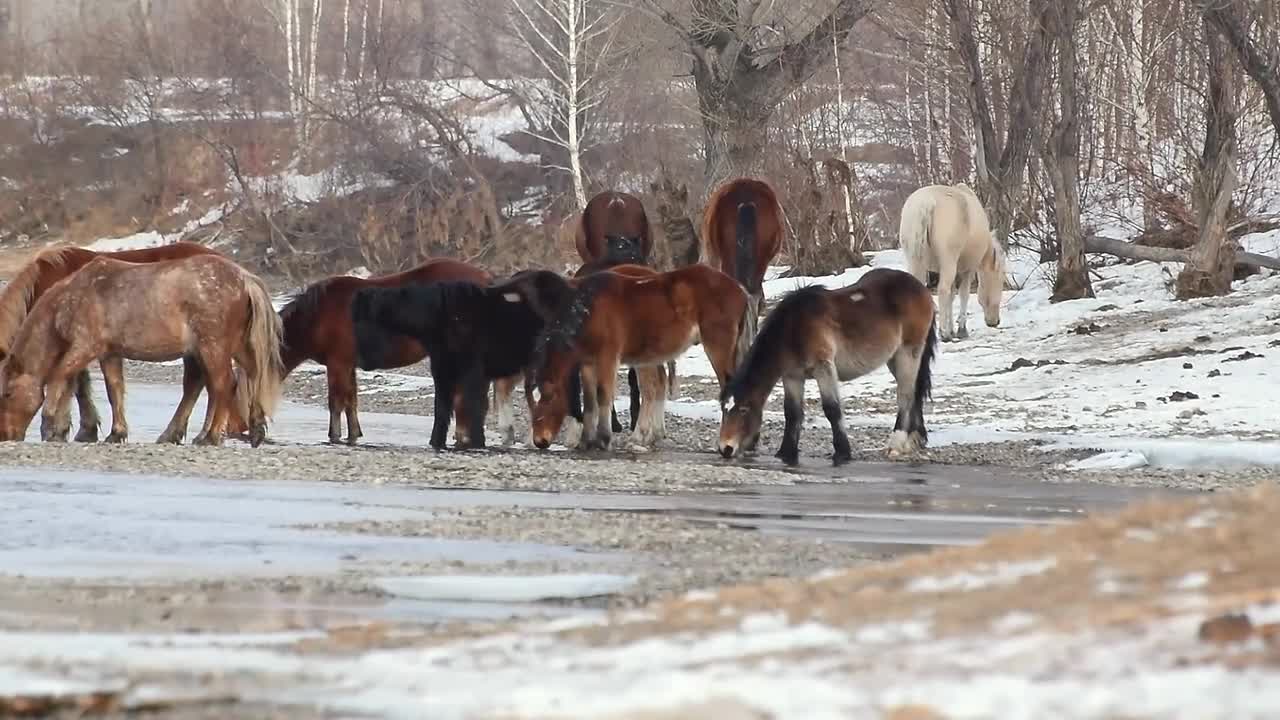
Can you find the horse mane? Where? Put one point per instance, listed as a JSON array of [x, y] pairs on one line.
[[564, 330], [19, 294], [769, 342], [303, 304]]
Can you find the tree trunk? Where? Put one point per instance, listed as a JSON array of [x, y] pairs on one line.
[[572, 96], [1072, 281], [1132, 251], [1000, 171], [346, 40], [1212, 260], [1263, 66], [739, 92]]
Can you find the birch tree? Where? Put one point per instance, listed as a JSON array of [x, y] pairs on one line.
[[572, 43]]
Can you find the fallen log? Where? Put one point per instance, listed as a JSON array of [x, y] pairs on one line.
[[1120, 248]]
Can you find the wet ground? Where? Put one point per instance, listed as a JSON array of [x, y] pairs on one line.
[[174, 547]]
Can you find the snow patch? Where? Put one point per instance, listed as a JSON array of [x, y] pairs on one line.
[[508, 588], [1004, 573]]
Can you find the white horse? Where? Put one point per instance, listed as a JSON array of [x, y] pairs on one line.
[[944, 229]]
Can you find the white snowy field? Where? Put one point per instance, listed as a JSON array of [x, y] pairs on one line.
[[1154, 381]]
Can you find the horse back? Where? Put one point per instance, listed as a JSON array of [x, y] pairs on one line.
[[719, 229], [884, 307]]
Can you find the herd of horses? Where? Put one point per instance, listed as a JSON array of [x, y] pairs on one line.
[[564, 337]]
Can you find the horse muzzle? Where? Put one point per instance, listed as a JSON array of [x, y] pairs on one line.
[[726, 451]]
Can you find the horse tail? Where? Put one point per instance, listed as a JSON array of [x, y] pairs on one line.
[[745, 240], [924, 379], [262, 386], [633, 387], [913, 231]]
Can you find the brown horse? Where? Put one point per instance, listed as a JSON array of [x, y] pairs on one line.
[[742, 232], [615, 317], [614, 229], [47, 268], [833, 336], [318, 327], [205, 308]]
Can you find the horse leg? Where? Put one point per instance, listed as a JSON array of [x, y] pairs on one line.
[[475, 398], [590, 408], [606, 384], [793, 412], [221, 382], [113, 377], [337, 380], [89, 420], [445, 380], [673, 385], [502, 389], [964, 283], [659, 412], [192, 384], [908, 428], [829, 389], [644, 433], [55, 419], [353, 411], [946, 293]]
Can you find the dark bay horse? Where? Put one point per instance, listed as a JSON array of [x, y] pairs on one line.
[[318, 327], [832, 336], [742, 230], [52, 265], [613, 317], [614, 228], [204, 308]]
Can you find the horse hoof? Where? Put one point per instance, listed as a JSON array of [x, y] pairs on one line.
[[211, 439], [55, 435], [840, 459], [788, 457], [116, 438], [257, 435], [962, 333], [87, 435], [352, 440]]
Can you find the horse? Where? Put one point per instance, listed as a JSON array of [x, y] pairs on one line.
[[318, 327], [742, 232], [204, 308], [832, 336], [52, 265], [612, 317], [613, 227], [550, 295], [944, 229], [473, 334]]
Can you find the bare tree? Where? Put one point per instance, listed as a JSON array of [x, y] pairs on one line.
[[571, 41], [1262, 64], [1000, 170], [741, 77], [1072, 281], [1213, 259]]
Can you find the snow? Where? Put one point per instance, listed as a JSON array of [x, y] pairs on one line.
[[137, 241], [1001, 574], [764, 666], [1149, 381], [506, 588]]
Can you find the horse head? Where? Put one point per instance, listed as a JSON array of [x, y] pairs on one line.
[[21, 395], [991, 272]]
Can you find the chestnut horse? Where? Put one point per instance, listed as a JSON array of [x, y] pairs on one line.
[[613, 228], [550, 295], [742, 232], [612, 317], [204, 308], [318, 327], [834, 336], [47, 268]]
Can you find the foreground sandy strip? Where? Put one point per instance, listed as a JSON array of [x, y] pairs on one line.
[[1114, 616]]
